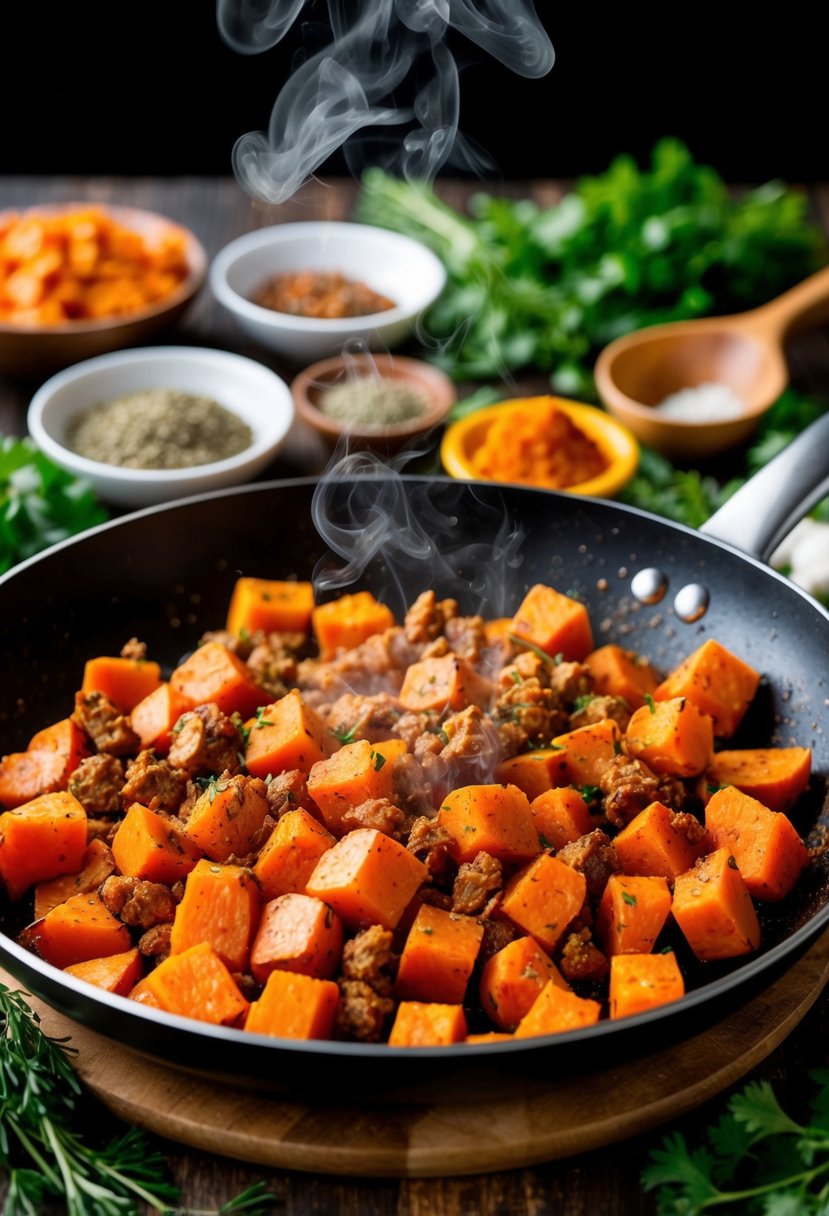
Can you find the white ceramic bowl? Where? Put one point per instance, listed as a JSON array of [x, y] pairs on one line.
[[394, 265], [243, 386]]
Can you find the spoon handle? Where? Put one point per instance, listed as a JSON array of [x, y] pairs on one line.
[[800, 306]]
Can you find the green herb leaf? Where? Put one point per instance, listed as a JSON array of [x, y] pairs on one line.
[[649, 701]]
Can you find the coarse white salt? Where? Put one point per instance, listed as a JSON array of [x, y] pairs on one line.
[[708, 402]]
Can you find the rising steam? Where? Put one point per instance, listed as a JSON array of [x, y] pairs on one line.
[[351, 85]]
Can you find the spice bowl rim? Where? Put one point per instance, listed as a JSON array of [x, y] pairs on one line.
[[359, 248], [440, 391], [268, 411], [616, 442]]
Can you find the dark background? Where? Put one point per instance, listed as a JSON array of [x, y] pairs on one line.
[[98, 88]]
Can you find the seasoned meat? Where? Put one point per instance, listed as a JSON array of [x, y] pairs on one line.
[[581, 959], [524, 666], [137, 902], [690, 827], [106, 726], [273, 661], [472, 749], [369, 957], [97, 784], [427, 618], [362, 1013], [205, 740], [497, 934], [435, 898], [414, 791], [353, 717], [377, 813], [534, 713], [595, 857], [376, 665], [155, 943], [133, 649], [570, 681], [154, 783], [628, 786], [596, 709], [475, 883], [466, 635], [240, 646], [430, 844], [288, 791], [411, 727]]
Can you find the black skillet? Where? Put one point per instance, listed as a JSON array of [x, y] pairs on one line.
[[165, 575]]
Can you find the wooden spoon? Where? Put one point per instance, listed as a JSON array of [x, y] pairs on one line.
[[743, 351]]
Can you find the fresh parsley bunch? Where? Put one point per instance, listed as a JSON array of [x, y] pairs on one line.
[[548, 287], [40, 504], [758, 1161]]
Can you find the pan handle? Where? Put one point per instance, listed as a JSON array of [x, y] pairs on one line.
[[764, 510]]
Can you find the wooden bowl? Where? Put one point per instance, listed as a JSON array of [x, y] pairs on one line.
[[309, 386], [38, 350]]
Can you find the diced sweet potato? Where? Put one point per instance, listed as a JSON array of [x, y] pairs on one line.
[[294, 1006], [651, 845], [118, 973], [512, 980], [438, 957], [534, 772], [124, 681], [292, 850], [643, 981], [41, 839], [427, 1024], [221, 907], [194, 984], [717, 682], [632, 913], [441, 683], [47, 764], [270, 605], [346, 622], [713, 908], [671, 736], [587, 751], [355, 773], [775, 776], [616, 672], [543, 898], [367, 878], [77, 930], [765, 844], [227, 817], [153, 846], [556, 1010], [555, 623], [154, 717], [560, 816], [97, 865], [297, 933], [286, 735], [214, 673], [494, 819]]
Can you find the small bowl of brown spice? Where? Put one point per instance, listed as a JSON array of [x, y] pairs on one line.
[[381, 402], [150, 425]]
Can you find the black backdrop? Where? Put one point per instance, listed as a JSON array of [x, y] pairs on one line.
[[151, 88]]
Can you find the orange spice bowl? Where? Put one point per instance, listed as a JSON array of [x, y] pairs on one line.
[[615, 443]]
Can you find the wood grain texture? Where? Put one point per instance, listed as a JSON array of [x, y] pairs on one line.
[[531, 1123]]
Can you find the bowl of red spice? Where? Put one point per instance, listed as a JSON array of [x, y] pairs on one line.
[[548, 442], [308, 290], [377, 402]]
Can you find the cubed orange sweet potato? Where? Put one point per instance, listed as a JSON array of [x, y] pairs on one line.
[[297, 933], [494, 819], [367, 878], [287, 860], [294, 1006], [41, 839], [271, 605], [155, 715], [765, 844], [556, 1010], [586, 752], [543, 898], [227, 818], [653, 844], [632, 912], [555, 623], [214, 673], [438, 956], [512, 979], [444, 682], [195, 984], [643, 981], [51, 757], [616, 672], [124, 681], [489, 1036], [717, 682], [97, 865], [714, 910], [79, 929], [221, 907], [356, 772], [560, 816], [153, 846], [346, 622], [534, 772], [672, 737], [775, 776], [118, 973], [427, 1024], [286, 735]]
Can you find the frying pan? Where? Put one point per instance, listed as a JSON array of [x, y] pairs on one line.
[[165, 575]]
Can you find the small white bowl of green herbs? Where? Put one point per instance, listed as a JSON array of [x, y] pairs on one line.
[[150, 425]]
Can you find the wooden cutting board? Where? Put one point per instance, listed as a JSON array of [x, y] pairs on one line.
[[528, 1124]]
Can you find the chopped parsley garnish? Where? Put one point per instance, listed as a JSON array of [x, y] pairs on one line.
[[649, 701]]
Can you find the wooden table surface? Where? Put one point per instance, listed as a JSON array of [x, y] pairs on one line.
[[604, 1182]]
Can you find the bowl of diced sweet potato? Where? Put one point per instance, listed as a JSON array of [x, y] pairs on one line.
[[78, 280]]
